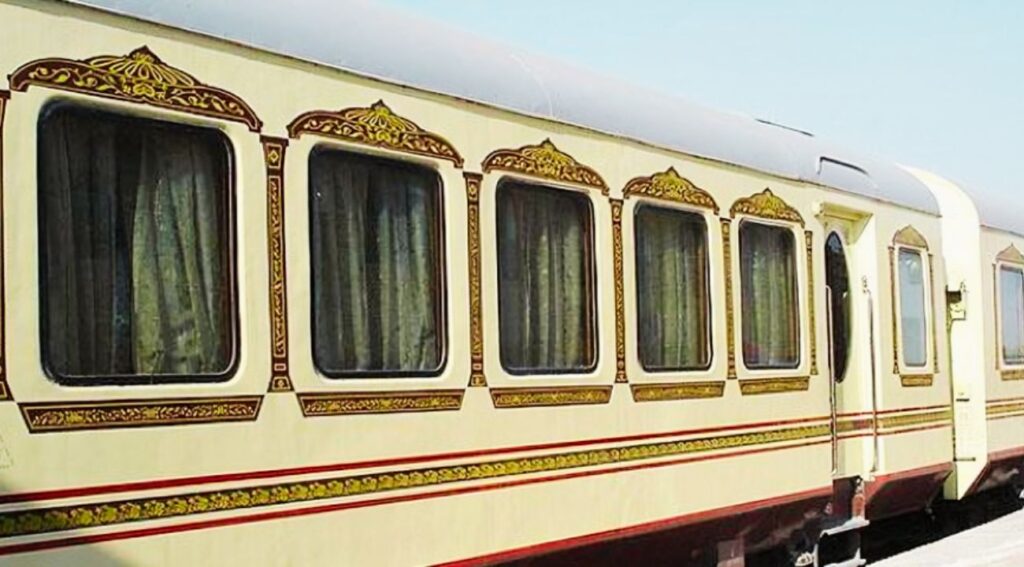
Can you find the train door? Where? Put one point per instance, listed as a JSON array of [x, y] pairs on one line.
[[838, 293]]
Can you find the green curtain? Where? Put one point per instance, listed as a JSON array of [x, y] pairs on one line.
[[768, 282], [545, 296], [672, 299], [376, 265], [135, 237], [1012, 321]]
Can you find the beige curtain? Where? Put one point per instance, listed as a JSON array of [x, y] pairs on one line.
[[376, 265], [672, 299], [768, 282], [544, 247], [135, 237]]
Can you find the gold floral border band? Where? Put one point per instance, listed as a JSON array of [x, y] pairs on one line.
[[48, 417], [937, 417], [1004, 410], [477, 377], [273, 154], [355, 403], [677, 391], [730, 306], [5, 390], [759, 386], [545, 161], [377, 126], [56, 519], [811, 303], [138, 77], [552, 396]]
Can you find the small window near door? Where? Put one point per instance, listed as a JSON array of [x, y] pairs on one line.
[[768, 282], [913, 314], [838, 280], [1011, 305]]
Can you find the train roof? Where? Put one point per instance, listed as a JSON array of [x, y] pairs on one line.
[[392, 45]]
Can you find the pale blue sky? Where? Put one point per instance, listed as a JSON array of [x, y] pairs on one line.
[[937, 84]]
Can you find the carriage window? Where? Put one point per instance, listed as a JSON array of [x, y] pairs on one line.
[[913, 315], [376, 266], [768, 281], [837, 278], [136, 249], [672, 289], [545, 284], [1011, 304]]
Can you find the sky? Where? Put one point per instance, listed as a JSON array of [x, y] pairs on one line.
[[934, 84]]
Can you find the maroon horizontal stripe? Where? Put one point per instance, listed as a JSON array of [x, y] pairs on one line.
[[316, 469], [281, 514]]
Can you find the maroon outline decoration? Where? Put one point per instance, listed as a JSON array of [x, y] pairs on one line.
[[273, 155], [377, 126], [140, 77]]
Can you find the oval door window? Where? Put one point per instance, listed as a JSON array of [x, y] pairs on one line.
[[838, 280]]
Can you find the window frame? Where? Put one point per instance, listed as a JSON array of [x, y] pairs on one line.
[[709, 315], [1001, 350], [593, 326], [441, 269], [230, 235], [800, 285], [929, 307]]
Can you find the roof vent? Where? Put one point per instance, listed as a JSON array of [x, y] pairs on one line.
[[844, 175], [784, 127]]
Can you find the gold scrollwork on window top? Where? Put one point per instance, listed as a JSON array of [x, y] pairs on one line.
[[766, 205], [546, 161], [139, 77], [1011, 255], [909, 236], [378, 126], [670, 186]]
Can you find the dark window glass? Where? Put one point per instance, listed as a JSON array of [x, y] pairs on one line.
[[771, 312], [672, 289], [136, 249], [1011, 304], [377, 266], [913, 316], [838, 280], [545, 280]]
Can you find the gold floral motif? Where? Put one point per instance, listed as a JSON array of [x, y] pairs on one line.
[[352, 403], [5, 391], [908, 420], [54, 519], [139, 77], [909, 236], [1011, 254], [376, 126], [811, 284], [545, 161], [555, 396], [766, 205], [670, 186], [620, 300], [477, 378], [917, 380], [775, 385], [75, 416], [1017, 374], [1001, 411], [730, 315], [677, 391], [855, 425], [273, 154]]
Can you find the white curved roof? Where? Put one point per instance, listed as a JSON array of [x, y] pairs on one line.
[[372, 40]]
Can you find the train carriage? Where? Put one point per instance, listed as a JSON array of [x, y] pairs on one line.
[[301, 286]]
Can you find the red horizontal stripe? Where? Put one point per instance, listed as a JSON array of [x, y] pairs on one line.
[[281, 514], [920, 408], [999, 400], [273, 473], [640, 529]]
